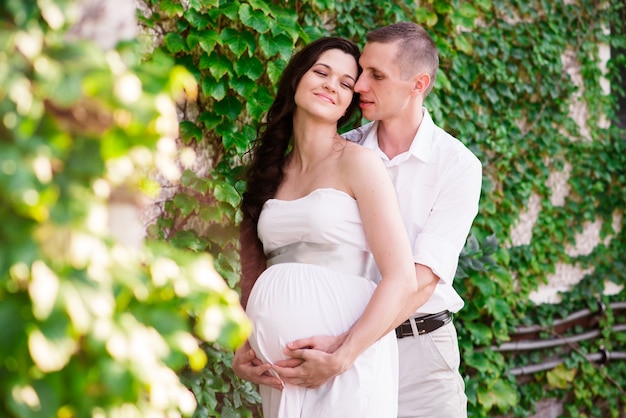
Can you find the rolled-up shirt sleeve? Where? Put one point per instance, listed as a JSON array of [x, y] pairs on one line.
[[447, 226], [438, 182]]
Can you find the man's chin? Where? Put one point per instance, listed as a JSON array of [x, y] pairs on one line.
[[368, 112]]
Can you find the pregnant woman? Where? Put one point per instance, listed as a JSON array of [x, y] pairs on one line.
[[325, 224]]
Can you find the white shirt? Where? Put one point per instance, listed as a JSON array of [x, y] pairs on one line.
[[438, 182]]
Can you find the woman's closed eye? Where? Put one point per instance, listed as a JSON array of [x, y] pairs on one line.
[[344, 84], [347, 85]]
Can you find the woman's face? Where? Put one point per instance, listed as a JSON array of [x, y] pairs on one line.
[[326, 89]]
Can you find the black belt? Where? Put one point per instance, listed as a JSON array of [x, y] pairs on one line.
[[424, 324]]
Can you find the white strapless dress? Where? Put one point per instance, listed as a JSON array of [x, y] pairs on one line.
[[319, 280]]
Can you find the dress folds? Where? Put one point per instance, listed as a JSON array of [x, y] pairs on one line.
[[319, 279]]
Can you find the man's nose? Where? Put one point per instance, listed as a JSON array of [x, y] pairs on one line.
[[361, 85]]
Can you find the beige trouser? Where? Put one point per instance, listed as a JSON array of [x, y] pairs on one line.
[[430, 384]]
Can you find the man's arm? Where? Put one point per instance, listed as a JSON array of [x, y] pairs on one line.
[[317, 366], [427, 282], [248, 367]]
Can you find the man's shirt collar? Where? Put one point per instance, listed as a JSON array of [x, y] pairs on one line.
[[420, 147]]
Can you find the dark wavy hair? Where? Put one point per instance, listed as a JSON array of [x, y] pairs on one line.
[[265, 171]]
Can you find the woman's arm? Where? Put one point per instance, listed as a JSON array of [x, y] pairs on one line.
[[364, 174], [245, 363], [387, 238], [251, 256]]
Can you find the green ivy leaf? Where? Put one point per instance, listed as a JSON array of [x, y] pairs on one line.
[[188, 239], [443, 7], [254, 19], [210, 120], [193, 39], [208, 39], [174, 42], [442, 82], [238, 42], [195, 18], [243, 86], [486, 398], [238, 141], [186, 203], [485, 284], [229, 9], [478, 361], [181, 25], [286, 23], [205, 62], [425, 17], [272, 45], [220, 65], [502, 394], [189, 131], [501, 309], [561, 376], [225, 192], [483, 4], [211, 214], [251, 67], [472, 245], [462, 44], [203, 4], [480, 333], [230, 107], [275, 69], [491, 95], [227, 127], [260, 5], [171, 7], [259, 103], [464, 16], [191, 180], [490, 244], [214, 89]]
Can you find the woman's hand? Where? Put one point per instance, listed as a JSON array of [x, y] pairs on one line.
[[316, 358]]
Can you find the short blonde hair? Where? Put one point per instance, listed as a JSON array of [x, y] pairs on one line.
[[417, 51]]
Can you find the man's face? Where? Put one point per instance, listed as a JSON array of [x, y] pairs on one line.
[[384, 94]]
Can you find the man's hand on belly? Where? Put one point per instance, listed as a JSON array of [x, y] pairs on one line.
[[247, 366]]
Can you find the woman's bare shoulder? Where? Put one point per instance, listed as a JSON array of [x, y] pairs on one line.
[[357, 154]]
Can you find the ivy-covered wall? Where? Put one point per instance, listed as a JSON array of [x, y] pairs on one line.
[[524, 84]]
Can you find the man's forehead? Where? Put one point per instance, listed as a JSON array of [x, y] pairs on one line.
[[378, 56]]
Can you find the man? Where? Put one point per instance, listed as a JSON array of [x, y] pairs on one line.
[[438, 183]]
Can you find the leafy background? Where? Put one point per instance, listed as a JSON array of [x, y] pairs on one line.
[[511, 74]]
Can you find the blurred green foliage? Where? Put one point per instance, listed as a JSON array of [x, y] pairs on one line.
[[89, 325], [510, 72]]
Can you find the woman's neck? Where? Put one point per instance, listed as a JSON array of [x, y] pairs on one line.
[[313, 141]]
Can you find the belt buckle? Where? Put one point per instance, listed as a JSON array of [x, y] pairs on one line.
[[417, 326], [420, 330]]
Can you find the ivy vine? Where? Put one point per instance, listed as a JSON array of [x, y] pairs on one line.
[[505, 88]]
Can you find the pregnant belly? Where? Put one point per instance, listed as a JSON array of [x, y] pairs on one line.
[[291, 301]]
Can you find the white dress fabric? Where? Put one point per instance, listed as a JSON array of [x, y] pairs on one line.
[[320, 285]]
